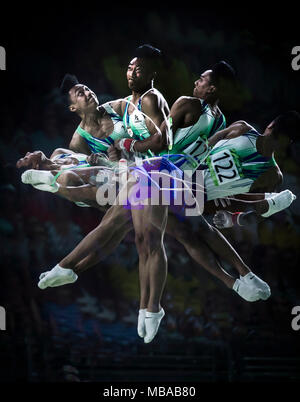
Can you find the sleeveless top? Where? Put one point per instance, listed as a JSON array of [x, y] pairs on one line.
[[102, 144], [190, 147], [234, 165]]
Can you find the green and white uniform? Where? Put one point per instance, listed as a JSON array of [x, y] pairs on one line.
[[234, 165], [82, 163], [135, 123], [102, 144], [81, 158], [190, 143]]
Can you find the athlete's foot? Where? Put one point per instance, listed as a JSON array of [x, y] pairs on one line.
[[152, 322], [40, 179], [43, 274], [141, 323], [279, 202], [247, 292], [255, 282], [58, 276]]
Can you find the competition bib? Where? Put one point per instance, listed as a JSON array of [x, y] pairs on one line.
[[198, 150], [224, 166]]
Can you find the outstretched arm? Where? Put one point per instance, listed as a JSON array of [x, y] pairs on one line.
[[235, 129]]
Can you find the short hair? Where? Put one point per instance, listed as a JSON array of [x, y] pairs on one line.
[[151, 54], [288, 123], [68, 82], [222, 72], [147, 51]]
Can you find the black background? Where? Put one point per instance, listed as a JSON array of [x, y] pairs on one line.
[[44, 41]]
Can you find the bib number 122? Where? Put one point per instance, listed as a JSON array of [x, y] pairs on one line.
[[224, 167]]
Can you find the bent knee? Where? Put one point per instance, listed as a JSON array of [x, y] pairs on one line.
[[68, 178]]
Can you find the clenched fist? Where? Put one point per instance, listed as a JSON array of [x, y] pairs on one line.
[[114, 154], [223, 219]]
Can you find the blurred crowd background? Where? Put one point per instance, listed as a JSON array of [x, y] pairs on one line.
[[87, 331]]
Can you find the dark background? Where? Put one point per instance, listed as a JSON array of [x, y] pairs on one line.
[[87, 331]]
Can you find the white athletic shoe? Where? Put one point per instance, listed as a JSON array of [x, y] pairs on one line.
[[279, 202], [255, 282], [43, 274], [247, 292], [152, 322], [40, 179], [141, 330], [58, 276]]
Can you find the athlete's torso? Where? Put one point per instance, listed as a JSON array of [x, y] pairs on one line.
[[234, 165], [135, 120], [111, 128], [71, 159], [192, 140]]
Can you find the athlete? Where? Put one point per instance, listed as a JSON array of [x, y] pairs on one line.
[[141, 141], [260, 176], [100, 125], [192, 120], [121, 225]]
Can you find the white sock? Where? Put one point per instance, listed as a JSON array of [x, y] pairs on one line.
[[46, 187], [269, 195], [40, 179], [152, 322], [43, 274], [245, 291], [279, 202], [141, 323], [255, 282], [58, 276]]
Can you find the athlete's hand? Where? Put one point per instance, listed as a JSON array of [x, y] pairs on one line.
[[95, 158], [114, 154], [223, 219], [117, 146]]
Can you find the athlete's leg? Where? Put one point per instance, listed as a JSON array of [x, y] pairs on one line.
[[84, 193], [197, 249], [45, 179], [152, 256], [208, 256], [107, 248], [112, 227], [101, 241], [152, 267], [221, 247], [69, 178], [241, 203]]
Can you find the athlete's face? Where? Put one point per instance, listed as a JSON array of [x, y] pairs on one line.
[[82, 99], [203, 86], [139, 74]]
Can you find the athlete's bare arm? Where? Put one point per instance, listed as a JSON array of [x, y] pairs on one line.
[[268, 182], [118, 105], [182, 113], [235, 129], [84, 193], [78, 144]]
